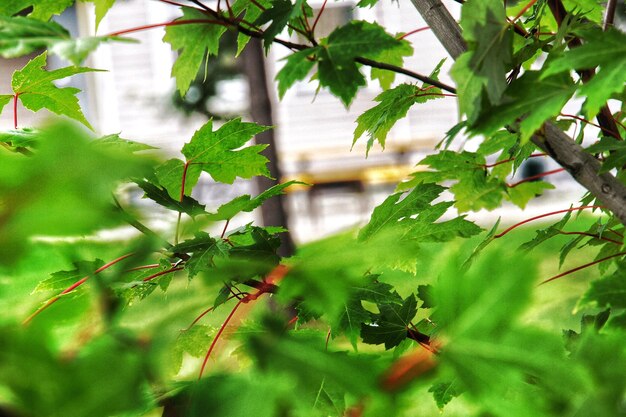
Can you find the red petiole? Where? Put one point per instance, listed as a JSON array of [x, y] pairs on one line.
[[541, 216], [74, 286]]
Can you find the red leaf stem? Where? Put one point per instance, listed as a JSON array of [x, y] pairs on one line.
[[15, 97], [591, 235], [524, 10], [534, 177], [413, 32], [165, 24], [158, 274], [535, 155], [582, 119], [73, 287], [205, 312], [319, 14], [217, 336], [184, 179], [582, 267], [541, 216]]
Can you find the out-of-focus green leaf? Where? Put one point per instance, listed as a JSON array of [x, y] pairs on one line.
[[60, 280]]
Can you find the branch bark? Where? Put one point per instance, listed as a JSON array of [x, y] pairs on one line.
[[582, 166]]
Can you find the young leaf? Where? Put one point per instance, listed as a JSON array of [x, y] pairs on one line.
[[483, 68], [394, 105], [604, 49], [195, 41], [36, 90], [391, 325], [42, 9], [217, 152], [296, 68], [337, 69], [102, 7], [246, 203]]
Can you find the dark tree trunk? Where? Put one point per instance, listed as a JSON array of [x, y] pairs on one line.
[[274, 211]]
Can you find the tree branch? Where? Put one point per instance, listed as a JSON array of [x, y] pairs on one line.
[[552, 140], [609, 14]]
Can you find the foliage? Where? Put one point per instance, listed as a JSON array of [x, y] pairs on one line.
[[413, 304]]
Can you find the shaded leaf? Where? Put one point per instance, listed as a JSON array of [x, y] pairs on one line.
[[391, 325]]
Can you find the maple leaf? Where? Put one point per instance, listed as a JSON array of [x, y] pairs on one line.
[[195, 41], [279, 13], [533, 96], [35, 88], [203, 249], [354, 315], [391, 325], [394, 105], [42, 9], [170, 176], [393, 56], [161, 196], [482, 69], [604, 49], [296, 68], [337, 69], [61, 280], [246, 203], [217, 152], [250, 12], [102, 7]]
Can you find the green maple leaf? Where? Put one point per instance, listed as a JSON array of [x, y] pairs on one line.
[[296, 68], [36, 90], [194, 41], [394, 105], [392, 210], [444, 392], [609, 291], [394, 56], [246, 203], [102, 7], [170, 176], [615, 152], [42, 9], [547, 233], [604, 49], [482, 69], [193, 341], [60, 280], [354, 315], [279, 13], [521, 194], [416, 215], [391, 325], [23, 35], [161, 196], [115, 143], [337, 69], [217, 152], [247, 10], [532, 95], [203, 249]]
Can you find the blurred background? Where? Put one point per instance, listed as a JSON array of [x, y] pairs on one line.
[[313, 130]]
